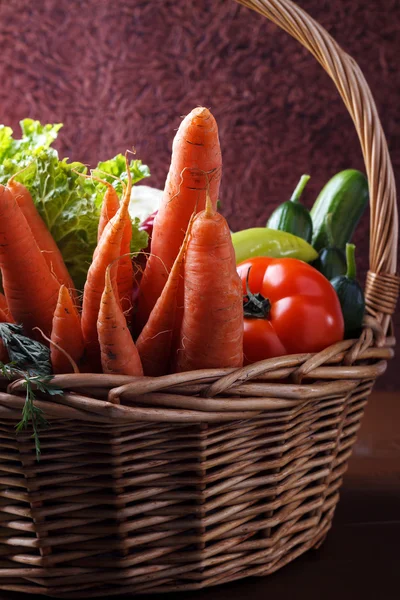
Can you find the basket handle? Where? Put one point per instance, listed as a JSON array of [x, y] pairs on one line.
[[382, 286]]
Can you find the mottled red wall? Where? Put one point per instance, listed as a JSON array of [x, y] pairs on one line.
[[121, 73]]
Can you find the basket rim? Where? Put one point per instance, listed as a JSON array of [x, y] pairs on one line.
[[213, 395]]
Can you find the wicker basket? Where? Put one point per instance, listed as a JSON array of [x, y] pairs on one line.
[[195, 479]]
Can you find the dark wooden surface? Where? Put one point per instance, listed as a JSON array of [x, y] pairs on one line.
[[360, 557]]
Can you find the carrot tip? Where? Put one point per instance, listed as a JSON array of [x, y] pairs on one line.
[[200, 111], [209, 210]]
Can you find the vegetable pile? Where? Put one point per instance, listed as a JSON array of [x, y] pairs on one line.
[[91, 287]]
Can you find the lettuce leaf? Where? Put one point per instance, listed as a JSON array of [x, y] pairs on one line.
[[68, 203], [114, 171], [116, 167], [5, 140], [16, 154]]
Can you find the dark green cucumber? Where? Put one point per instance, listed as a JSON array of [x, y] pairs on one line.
[[292, 216], [351, 296], [331, 261], [346, 197]]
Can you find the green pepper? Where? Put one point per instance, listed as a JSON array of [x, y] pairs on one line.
[[351, 296], [292, 216], [332, 260], [261, 241]]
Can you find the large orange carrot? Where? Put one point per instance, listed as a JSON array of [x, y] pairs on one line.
[[42, 235], [3, 302], [155, 342], [109, 208], [212, 326], [30, 288], [196, 157], [66, 333], [108, 250], [119, 354], [3, 351], [4, 308]]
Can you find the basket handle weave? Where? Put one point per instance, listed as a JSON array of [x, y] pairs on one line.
[[382, 286]]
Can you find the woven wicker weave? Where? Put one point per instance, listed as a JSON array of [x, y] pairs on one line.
[[194, 479]]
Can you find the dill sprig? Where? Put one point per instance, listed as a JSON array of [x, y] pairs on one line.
[[31, 414]]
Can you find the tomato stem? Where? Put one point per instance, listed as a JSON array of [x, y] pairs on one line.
[[255, 306]]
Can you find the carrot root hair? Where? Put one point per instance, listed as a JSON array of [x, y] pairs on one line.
[[208, 175], [103, 181]]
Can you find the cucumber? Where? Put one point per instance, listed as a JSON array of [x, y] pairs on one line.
[[345, 196], [292, 216], [351, 296], [332, 260]]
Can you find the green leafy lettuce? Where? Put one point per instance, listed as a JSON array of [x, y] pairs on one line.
[[68, 202], [116, 168]]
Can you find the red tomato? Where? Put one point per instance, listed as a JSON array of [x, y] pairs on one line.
[[295, 309]]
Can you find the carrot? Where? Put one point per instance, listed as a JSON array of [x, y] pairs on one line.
[[3, 303], [109, 207], [42, 235], [119, 354], [4, 308], [30, 288], [196, 155], [212, 326], [125, 275], [3, 350], [155, 342], [108, 250], [66, 333]]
